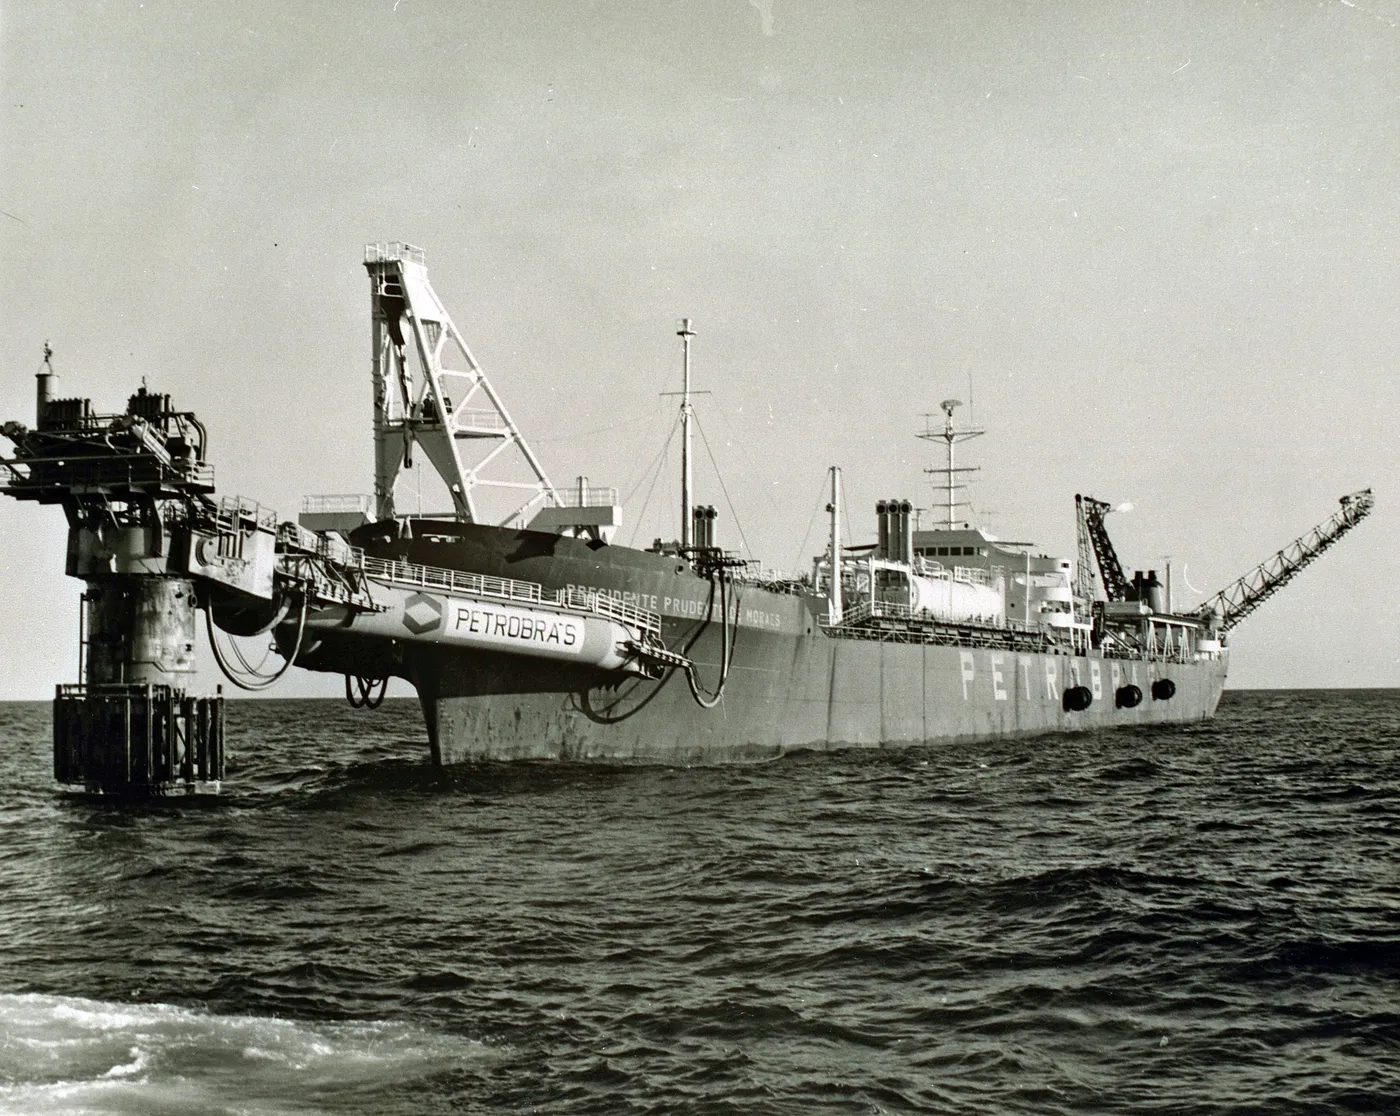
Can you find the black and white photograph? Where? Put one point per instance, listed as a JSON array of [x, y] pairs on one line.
[[756, 557]]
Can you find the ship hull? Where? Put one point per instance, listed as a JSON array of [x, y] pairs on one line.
[[816, 693], [792, 684]]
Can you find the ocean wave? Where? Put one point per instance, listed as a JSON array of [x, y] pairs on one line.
[[66, 1054]]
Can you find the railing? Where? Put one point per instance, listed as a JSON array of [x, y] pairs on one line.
[[105, 472], [893, 610], [321, 505], [773, 580], [295, 537], [435, 577], [611, 607], [507, 589], [591, 496], [234, 511], [970, 575], [472, 418], [864, 610], [384, 252]]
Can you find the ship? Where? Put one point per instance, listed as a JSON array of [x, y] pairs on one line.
[[529, 632]]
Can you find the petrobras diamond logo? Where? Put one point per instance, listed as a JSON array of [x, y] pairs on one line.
[[422, 613]]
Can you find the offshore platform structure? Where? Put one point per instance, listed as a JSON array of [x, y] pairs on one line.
[[154, 548], [135, 488]]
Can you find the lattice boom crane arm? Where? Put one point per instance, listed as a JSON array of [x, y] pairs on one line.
[[1234, 603], [1091, 516]]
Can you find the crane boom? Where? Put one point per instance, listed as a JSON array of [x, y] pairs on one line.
[[1237, 601], [1091, 514]]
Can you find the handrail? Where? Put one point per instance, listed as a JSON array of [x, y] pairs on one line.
[[477, 418], [507, 589], [385, 252], [350, 502], [96, 471], [233, 510], [591, 496]]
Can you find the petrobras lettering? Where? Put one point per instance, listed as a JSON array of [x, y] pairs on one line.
[[514, 628], [484, 625]]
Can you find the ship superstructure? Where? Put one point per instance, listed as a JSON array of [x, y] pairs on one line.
[[528, 632]]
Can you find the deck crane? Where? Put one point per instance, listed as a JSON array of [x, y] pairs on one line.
[[1233, 603], [1090, 514]]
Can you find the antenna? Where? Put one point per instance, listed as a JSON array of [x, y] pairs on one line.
[[950, 436], [685, 333]]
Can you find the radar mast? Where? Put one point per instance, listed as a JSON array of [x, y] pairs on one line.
[[951, 435]]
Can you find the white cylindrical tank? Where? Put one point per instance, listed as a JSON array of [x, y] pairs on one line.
[[946, 598], [481, 623]]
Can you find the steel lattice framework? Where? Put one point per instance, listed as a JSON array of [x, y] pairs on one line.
[[1237, 601], [453, 415], [1091, 514]]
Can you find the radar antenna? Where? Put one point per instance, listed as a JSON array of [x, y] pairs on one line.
[[1234, 603], [455, 416], [950, 436]]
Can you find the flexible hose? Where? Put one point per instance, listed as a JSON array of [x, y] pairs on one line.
[[260, 682], [367, 698], [702, 698], [371, 699]]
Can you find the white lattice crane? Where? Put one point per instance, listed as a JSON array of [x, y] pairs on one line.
[[452, 414]]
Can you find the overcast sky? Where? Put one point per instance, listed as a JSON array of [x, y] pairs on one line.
[[1159, 242]]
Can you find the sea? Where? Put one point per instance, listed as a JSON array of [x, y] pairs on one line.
[[1166, 920]]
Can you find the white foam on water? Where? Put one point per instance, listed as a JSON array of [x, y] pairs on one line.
[[71, 1056]]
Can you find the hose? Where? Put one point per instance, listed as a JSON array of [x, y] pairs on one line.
[[258, 682], [367, 698], [702, 698]]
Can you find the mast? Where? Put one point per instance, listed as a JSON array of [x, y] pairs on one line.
[[833, 592], [950, 436], [685, 334]]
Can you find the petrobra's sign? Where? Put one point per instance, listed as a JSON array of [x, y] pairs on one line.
[[500, 625], [513, 628]]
